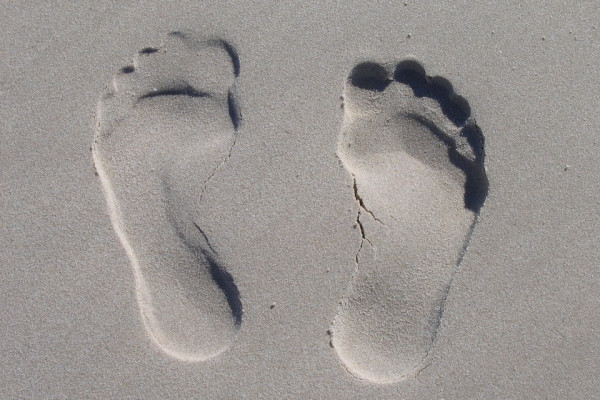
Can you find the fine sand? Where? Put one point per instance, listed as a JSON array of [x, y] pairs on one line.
[[328, 200]]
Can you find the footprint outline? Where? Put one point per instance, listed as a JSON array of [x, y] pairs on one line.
[[465, 151], [127, 95]]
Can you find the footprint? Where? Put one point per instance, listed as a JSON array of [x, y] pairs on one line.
[[165, 126], [416, 157]]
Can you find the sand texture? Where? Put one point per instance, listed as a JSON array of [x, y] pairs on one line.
[[242, 200]]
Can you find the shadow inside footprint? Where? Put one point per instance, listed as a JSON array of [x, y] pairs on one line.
[[224, 280]]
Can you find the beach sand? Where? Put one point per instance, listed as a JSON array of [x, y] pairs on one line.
[[329, 200]]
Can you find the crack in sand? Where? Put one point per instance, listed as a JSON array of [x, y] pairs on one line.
[[362, 203], [214, 171], [361, 206], [236, 123], [363, 238], [205, 237]]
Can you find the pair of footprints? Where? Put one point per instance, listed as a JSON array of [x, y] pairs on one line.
[[170, 121]]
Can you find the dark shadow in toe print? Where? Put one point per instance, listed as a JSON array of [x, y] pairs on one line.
[[148, 50], [184, 91], [370, 76]]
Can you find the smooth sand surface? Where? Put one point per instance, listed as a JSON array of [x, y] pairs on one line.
[[233, 211]]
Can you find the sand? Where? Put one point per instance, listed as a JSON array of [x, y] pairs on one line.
[[340, 200]]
